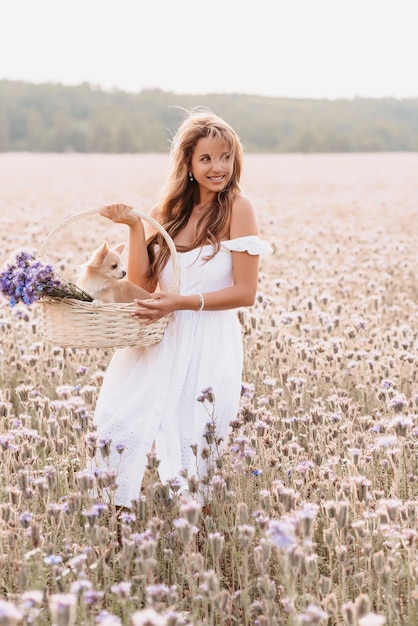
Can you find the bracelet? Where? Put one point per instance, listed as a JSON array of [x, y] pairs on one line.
[[201, 302]]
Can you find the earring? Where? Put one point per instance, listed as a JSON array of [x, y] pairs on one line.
[[191, 177]]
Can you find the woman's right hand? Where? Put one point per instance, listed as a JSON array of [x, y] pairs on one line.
[[120, 214]]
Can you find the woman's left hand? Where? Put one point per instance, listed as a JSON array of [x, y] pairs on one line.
[[162, 303], [120, 214]]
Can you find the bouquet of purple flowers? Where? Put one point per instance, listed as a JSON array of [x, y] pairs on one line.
[[26, 279]]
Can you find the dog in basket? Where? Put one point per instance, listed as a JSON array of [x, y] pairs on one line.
[[103, 277]]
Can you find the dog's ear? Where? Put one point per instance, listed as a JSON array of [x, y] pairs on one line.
[[120, 248], [100, 254]]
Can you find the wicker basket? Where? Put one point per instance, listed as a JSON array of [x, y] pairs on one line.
[[78, 324]]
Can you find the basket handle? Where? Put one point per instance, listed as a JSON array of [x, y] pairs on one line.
[[144, 216]]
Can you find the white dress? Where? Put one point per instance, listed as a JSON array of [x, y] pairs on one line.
[[150, 394]]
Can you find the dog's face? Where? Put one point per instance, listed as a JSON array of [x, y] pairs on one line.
[[107, 261]]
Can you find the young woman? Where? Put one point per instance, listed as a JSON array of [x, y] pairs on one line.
[[155, 395]]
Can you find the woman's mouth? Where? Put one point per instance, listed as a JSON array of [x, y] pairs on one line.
[[216, 179]]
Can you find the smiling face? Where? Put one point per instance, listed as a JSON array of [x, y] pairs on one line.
[[212, 165]]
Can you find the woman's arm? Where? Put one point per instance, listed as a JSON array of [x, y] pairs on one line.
[[138, 261], [244, 265]]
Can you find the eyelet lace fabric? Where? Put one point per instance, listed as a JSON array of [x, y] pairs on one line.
[[150, 394]]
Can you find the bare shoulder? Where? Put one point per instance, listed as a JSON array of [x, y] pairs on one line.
[[150, 229], [154, 212], [243, 217]]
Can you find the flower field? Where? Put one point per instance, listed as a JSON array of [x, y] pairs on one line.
[[313, 509]]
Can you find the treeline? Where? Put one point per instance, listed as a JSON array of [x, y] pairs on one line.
[[56, 118]]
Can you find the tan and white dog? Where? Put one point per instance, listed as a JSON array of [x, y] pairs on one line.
[[103, 277]]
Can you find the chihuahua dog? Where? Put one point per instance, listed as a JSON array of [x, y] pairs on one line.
[[103, 277]]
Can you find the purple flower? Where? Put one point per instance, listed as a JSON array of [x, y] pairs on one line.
[[25, 519], [247, 390], [207, 394], [26, 279], [9, 613], [107, 619], [282, 534], [53, 559], [387, 384], [313, 615], [122, 589], [304, 466], [91, 596], [398, 403]]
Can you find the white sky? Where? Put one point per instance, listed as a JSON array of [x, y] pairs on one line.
[[291, 48]]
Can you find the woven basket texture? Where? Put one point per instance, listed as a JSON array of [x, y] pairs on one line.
[[78, 324]]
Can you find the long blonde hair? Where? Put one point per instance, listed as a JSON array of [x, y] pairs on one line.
[[182, 194]]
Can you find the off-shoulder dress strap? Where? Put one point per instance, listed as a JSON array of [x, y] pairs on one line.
[[250, 243]]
